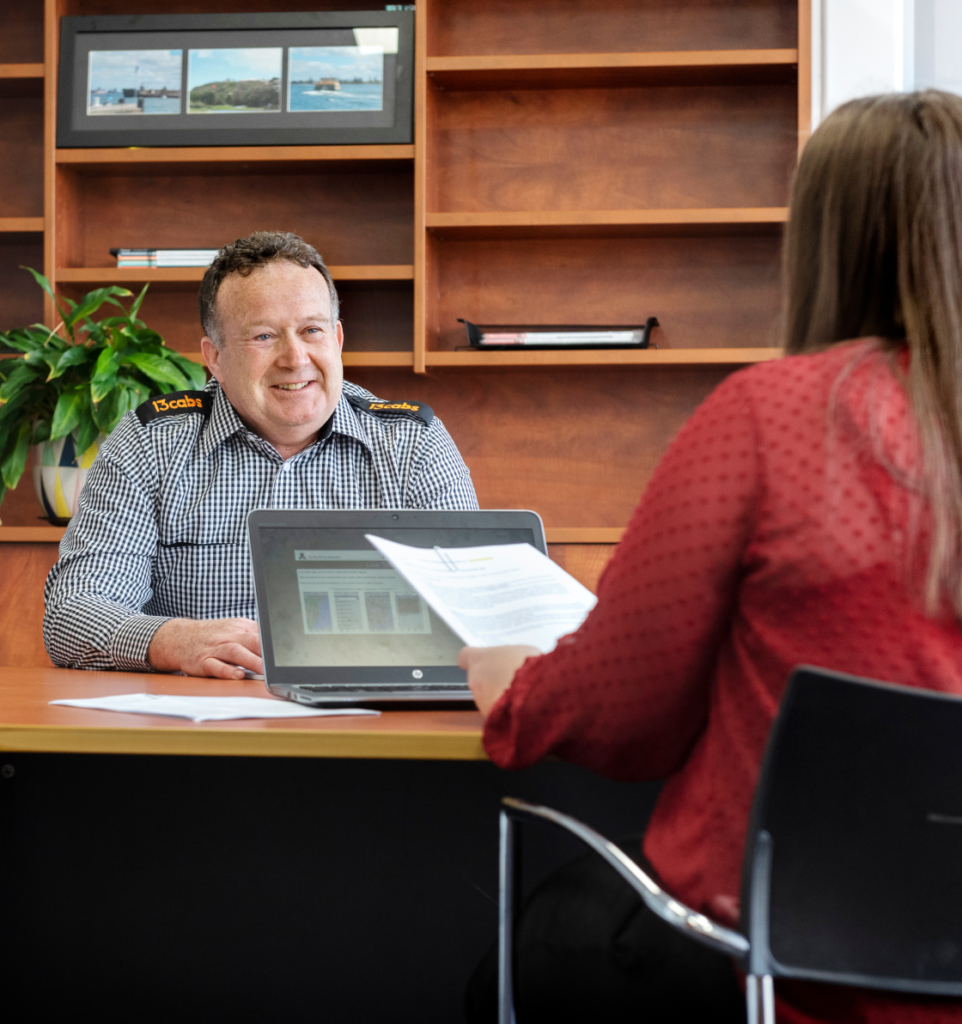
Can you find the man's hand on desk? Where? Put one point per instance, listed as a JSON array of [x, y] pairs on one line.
[[221, 648], [491, 669]]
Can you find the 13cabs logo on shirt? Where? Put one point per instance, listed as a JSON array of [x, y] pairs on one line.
[[174, 404]]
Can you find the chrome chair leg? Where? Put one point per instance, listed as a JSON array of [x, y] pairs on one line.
[[751, 998], [507, 890], [760, 999], [768, 1000]]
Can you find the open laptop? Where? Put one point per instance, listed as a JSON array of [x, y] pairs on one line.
[[339, 626]]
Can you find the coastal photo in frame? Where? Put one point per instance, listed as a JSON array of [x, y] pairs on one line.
[[318, 78]]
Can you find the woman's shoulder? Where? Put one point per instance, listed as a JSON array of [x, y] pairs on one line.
[[810, 377]]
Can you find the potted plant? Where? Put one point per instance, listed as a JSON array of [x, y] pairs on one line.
[[71, 385]]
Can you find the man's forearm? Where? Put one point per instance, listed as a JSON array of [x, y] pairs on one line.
[[91, 632]]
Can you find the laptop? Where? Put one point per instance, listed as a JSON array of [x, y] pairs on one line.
[[339, 626]]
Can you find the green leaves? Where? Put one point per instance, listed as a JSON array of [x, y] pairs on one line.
[[82, 378], [70, 357], [15, 456], [159, 370], [66, 413]]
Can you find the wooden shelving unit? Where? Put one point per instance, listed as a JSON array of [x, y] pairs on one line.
[[572, 163]]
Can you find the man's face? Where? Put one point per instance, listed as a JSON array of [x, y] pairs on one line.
[[280, 358]]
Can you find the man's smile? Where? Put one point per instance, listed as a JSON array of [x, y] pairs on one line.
[[292, 387]]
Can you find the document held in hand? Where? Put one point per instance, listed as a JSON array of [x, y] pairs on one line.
[[500, 594]]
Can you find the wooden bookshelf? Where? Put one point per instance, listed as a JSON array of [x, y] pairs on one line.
[[573, 162]]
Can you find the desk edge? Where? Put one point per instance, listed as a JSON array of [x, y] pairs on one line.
[[432, 746]]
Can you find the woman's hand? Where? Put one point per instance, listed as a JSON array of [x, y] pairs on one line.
[[491, 669]]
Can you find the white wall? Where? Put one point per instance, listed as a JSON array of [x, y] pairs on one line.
[[860, 45], [867, 46], [938, 44]]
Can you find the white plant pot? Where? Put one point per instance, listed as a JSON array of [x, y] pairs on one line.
[[59, 474]]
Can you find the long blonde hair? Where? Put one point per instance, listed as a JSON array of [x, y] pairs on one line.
[[874, 248]]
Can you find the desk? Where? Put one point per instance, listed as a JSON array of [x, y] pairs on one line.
[[329, 869], [29, 723]]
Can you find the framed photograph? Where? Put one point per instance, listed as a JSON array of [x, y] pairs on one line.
[[318, 78]]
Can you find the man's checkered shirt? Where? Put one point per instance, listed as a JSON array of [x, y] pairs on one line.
[[161, 530]]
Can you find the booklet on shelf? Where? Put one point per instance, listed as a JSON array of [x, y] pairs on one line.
[[559, 336], [498, 594], [164, 257]]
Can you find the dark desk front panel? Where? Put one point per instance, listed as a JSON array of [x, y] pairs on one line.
[[263, 889]]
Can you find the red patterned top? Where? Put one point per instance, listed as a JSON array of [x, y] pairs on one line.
[[777, 530]]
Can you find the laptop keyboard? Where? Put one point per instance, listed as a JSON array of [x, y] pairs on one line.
[[381, 688]]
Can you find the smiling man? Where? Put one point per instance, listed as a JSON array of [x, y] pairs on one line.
[[154, 570]]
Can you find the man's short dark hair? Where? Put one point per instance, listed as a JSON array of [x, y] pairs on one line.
[[246, 254]]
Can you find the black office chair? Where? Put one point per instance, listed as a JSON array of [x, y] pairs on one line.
[[853, 866]]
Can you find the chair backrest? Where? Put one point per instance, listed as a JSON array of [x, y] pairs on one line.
[[854, 860]]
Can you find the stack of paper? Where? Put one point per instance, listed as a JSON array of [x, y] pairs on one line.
[[206, 709], [164, 257], [498, 594]]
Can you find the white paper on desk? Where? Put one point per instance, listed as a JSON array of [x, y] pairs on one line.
[[207, 709], [499, 594]]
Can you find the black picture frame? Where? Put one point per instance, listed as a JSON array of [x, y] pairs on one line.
[[77, 127]]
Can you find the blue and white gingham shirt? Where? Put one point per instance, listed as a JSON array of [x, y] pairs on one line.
[[161, 530]]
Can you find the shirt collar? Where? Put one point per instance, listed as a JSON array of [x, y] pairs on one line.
[[224, 423]]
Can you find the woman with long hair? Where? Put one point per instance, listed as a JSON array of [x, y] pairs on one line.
[[810, 511]]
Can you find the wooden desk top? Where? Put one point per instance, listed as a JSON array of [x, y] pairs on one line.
[[29, 723]]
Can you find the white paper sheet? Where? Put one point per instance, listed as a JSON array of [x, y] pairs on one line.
[[207, 709], [499, 594]]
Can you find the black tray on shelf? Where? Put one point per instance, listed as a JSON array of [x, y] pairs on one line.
[[476, 336]]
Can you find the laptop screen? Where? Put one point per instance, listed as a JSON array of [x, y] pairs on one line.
[[330, 605]]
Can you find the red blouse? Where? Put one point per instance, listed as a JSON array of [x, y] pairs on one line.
[[777, 530]]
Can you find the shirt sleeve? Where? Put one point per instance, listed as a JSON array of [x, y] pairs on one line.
[[96, 590], [438, 476], [628, 693]]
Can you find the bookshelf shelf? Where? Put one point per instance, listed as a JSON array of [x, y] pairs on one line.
[[191, 275], [372, 359], [607, 357], [18, 225], [605, 223], [605, 70], [226, 159], [21, 71]]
